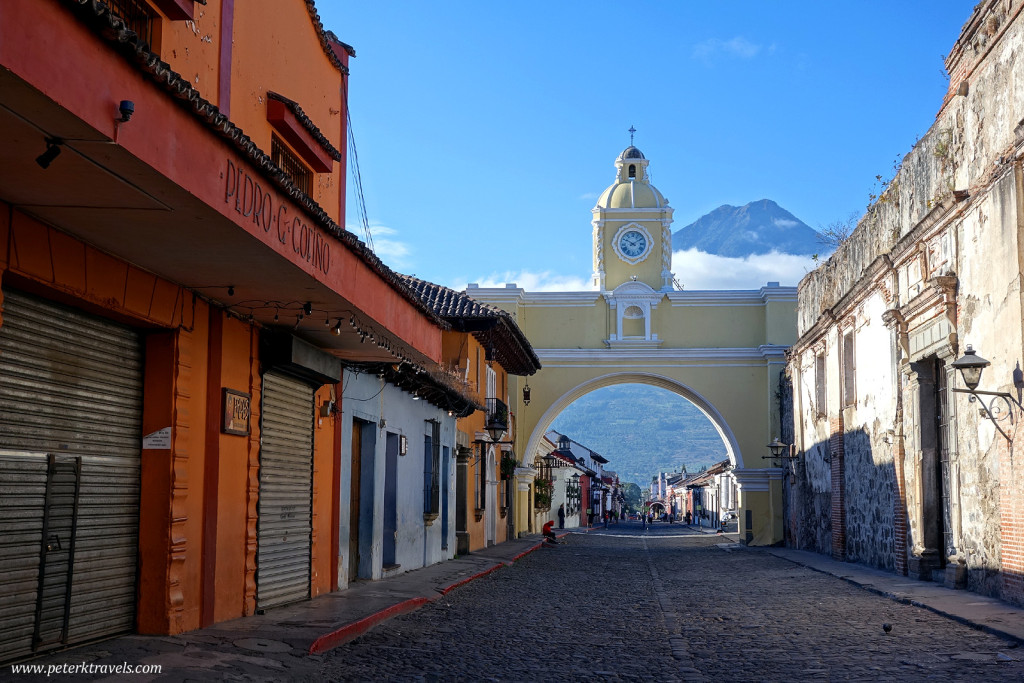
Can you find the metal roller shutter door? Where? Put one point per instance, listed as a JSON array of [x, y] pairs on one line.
[[284, 528], [22, 501], [71, 387]]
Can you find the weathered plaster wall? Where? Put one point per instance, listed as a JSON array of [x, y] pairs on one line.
[[959, 152], [935, 264]]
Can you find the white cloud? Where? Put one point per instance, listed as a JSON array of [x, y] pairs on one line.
[[546, 281], [394, 252], [699, 270], [785, 222], [734, 47], [589, 196]]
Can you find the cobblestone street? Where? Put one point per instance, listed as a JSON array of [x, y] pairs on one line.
[[669, 604]]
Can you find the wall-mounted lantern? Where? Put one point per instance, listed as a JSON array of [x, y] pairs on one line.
[[779, 453], [970, 366]]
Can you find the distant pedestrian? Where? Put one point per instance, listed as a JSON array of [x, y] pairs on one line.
[[561, 516], [590, 516], [549, 533], [687, 518], [606, 516]]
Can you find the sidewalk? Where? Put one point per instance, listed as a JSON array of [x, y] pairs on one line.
[[972, 609], [260, 645]]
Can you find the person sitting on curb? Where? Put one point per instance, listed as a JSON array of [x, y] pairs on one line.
[[549, 533]]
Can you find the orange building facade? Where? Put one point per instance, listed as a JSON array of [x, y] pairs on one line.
[[178, 301]]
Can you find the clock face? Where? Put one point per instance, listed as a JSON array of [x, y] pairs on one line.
[[632, 243]]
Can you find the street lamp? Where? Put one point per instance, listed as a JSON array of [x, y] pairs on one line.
[[777, 449], [970, 366], [546, 465]]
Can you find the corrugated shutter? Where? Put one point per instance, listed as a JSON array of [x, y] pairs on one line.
[[22, 502], [70, 385], [284, 528]]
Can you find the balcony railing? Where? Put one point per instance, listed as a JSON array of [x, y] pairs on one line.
[[497, 416]]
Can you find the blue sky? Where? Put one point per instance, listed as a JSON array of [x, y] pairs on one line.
[[486, 130]]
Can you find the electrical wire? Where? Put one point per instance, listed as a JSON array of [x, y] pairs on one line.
[[357, 178]]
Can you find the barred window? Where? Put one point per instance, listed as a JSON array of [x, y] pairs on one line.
[[819, 384], [481, 480], [849, 371], [285, 160], [432, 468], [136, 15]]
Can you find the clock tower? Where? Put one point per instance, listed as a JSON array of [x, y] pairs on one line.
[[632, 240]]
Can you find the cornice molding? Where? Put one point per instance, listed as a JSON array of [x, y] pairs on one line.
[[751, 480], [758, 354]]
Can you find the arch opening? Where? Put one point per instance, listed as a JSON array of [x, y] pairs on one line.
[[714, 417]]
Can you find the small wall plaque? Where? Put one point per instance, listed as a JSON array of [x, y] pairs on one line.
[[160, 440], [235, 414]]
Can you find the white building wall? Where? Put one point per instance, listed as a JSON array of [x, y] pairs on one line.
[[392, 410]]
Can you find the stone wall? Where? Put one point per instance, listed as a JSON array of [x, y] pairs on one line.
[[870, 488], [934, 264]]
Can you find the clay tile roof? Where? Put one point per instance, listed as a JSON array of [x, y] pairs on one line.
[[494, 328], [326, 37], [449, 303]]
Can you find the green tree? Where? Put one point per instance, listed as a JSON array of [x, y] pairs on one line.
[[631, 493]]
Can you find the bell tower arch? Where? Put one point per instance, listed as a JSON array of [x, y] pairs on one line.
[[721, 350]]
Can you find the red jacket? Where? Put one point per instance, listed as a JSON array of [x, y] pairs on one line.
[[547, 528]]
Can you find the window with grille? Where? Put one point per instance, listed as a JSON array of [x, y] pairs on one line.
[[283, 158], [136, 15], [492, 383], [849, 383], [819, 384], [432, 469], [481, 480]]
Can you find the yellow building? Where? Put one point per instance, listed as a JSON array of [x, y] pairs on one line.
[[722, 350]]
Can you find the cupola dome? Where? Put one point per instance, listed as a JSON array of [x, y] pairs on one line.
[[632, 188]]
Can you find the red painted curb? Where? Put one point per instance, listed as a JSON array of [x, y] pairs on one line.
[[526, 552], [352, 631], [445, 591]]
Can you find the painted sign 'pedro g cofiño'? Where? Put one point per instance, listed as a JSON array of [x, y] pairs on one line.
[[258, 204]]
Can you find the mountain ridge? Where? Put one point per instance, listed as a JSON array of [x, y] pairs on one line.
[[758, 227]]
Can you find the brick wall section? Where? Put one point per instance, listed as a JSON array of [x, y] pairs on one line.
[[1011, 528], [835, 449], [899, 514]]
